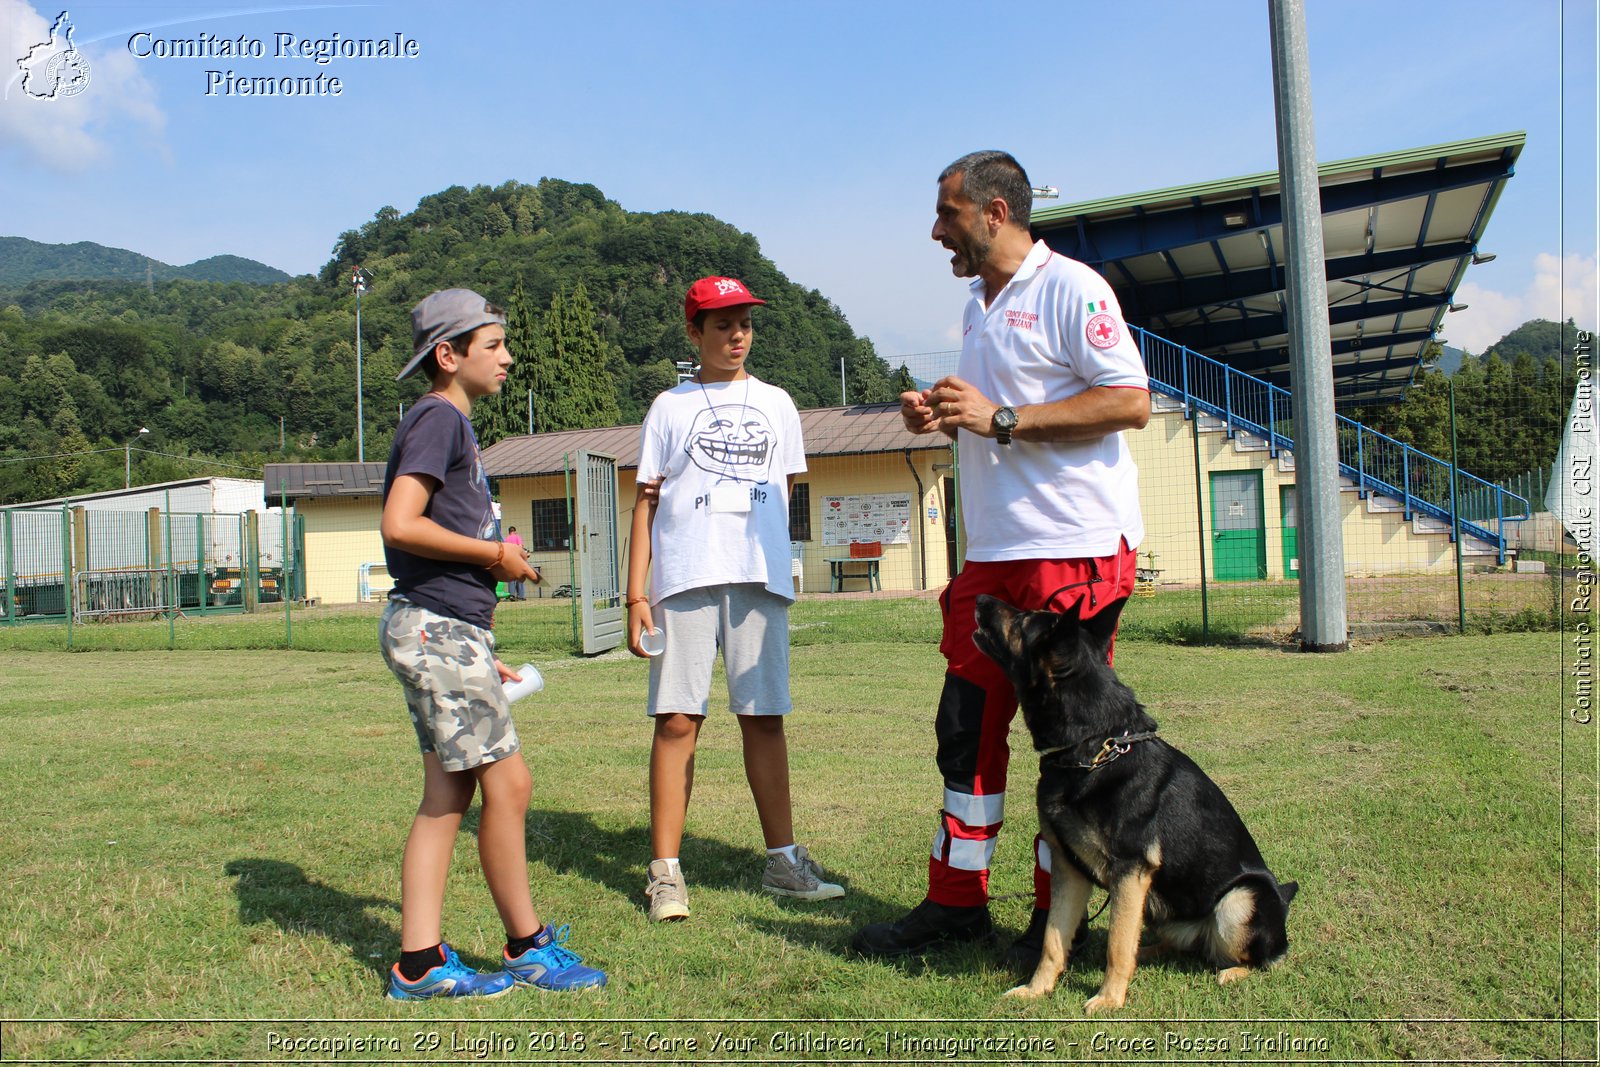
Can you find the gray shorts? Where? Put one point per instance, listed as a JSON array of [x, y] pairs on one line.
[[751, 626], [446, 667]]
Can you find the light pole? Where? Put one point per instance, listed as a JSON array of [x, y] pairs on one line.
[[359, 277], [127, 458]]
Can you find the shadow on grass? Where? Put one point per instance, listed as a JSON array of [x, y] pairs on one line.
[[572, 843], [278, 892]]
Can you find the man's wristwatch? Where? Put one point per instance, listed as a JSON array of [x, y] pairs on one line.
[[1004, 421]]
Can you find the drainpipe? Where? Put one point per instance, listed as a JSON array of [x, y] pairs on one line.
[[916, 520]]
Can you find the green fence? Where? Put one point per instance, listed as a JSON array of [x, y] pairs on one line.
[[82, 566]]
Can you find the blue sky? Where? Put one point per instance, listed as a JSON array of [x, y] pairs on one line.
[[816, 126]]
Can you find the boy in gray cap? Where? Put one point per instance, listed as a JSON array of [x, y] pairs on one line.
[[441, 543]]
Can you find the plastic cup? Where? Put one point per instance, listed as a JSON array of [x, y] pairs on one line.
[[532, 682], [654, 642]]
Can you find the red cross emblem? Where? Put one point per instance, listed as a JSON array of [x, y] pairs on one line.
[[1103, 331]]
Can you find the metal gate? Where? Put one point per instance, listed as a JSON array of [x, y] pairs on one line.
[[599, 591]]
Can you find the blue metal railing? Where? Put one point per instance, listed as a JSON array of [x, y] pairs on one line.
[[1375, 462]]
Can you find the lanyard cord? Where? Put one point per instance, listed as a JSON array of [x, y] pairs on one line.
[[711, 410]]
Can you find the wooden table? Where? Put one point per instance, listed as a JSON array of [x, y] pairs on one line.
[[838, 575]]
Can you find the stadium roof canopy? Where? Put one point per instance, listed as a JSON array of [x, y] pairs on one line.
[[1203, 265]]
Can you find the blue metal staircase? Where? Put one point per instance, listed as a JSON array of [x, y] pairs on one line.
[[1372, 462]]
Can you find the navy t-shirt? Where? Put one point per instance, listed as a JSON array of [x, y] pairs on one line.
[[435, 438]]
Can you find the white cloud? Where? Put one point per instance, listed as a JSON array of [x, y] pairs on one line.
[[68, 133], [1563, 287]]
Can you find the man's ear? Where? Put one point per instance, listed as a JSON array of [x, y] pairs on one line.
[[996, 213]]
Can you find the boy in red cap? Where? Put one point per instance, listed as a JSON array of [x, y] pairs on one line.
[[719, 453], [441, 542]]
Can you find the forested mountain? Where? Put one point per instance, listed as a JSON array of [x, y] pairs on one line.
[[23, 261], [228, 375], [1511, 403], [246, 373]]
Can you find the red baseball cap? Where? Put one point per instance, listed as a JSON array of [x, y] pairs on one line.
[[708, 293]]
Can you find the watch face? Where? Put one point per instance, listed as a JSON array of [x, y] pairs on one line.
[[1005, 419]]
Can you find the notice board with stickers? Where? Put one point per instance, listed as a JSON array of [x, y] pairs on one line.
[[884, 517]]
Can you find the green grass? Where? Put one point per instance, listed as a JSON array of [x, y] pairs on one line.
[[206, 835]]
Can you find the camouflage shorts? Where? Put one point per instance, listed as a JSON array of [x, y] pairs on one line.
[[446, 667]]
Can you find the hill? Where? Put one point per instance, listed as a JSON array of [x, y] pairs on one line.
[[253, 372], [23, 261]]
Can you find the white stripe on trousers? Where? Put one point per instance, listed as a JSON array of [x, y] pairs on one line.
[[987, 810], [966, 854]]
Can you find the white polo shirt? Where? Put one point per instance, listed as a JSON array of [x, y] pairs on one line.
[[1054, 331]]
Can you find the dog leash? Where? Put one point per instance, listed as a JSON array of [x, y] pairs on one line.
[[1094, 579], [1113, 748]]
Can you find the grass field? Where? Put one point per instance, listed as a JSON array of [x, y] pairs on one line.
[[203, 859]]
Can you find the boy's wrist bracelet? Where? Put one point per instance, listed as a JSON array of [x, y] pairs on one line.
[[499, 557], [636, 600]]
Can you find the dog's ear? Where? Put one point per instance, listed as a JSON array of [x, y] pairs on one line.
[[1101, 627]]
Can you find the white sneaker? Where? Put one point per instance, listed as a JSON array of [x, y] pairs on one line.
[[802, 879], [669, 897]]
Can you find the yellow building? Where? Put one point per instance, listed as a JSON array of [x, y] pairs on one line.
[[869, 481]]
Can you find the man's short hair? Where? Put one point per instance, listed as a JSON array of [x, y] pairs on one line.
[[994, 175]]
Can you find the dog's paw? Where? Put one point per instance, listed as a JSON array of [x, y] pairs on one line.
[[1231, 974], [1027, 992], [1102, 1002]]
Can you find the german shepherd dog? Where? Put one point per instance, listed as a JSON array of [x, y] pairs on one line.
[[1123, 809]]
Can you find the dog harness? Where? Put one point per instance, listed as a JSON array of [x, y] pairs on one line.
[[1113, 748]]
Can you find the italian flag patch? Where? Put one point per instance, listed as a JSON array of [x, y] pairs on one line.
[[1097, 305]]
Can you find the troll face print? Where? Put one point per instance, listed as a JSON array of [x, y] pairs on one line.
[[733, 442]]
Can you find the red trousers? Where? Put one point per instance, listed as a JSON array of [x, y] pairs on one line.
[[978, 704]]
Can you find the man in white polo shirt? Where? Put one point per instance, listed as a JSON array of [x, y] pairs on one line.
[[1048, 379]]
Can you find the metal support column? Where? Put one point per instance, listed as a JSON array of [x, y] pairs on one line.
[[1323, 625]]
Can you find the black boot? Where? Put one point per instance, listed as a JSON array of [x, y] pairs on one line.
[[925, 926], [1023, 955]]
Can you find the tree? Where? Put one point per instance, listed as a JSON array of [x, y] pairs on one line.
[[572, 381], [497, 417], [212, 365]]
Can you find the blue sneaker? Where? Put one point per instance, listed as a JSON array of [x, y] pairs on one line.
[[452, 978], [548, 965]]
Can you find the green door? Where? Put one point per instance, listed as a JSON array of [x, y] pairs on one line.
[[1238, 529], [1291, 532]]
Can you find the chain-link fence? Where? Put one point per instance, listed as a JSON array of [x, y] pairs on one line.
[[1427, 547], [79, 565]]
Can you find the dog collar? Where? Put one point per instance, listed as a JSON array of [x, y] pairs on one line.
[[1113, 748]]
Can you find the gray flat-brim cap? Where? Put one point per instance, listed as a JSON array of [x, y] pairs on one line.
[[442, 315]]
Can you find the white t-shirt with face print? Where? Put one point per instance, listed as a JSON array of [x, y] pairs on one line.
[[723, 452]]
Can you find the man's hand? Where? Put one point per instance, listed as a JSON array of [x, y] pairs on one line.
[[956, 404], [915, 412]]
